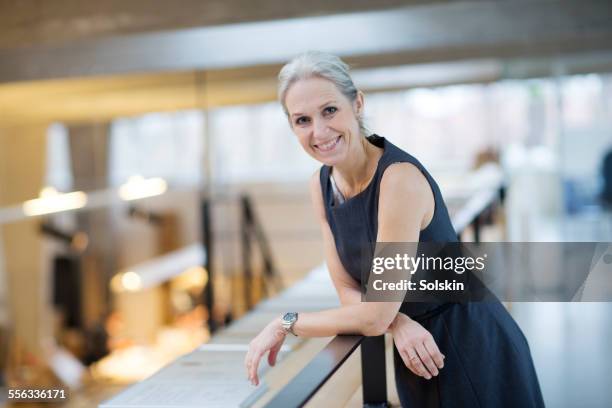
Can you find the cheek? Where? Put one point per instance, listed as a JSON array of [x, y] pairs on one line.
[[302, 137], [345, 120]]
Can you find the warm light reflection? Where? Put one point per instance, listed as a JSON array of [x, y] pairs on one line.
[[126, 281], [115, 283], [195, 277], [51, 201], [137, 362], [138, 187], [131, 281]]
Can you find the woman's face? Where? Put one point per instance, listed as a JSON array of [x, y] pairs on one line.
[[323, 119]]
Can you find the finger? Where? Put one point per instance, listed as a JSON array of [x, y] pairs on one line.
[[409, 364], [406, 360], [254, 365], [247, 358], [247, 363], [426, 359], [417, 364], [273, 353], [434, 352]]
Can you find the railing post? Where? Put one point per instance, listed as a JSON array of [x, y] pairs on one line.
[[251, 229], [476, 224], [246, 225], [207, 241], [373, 372]]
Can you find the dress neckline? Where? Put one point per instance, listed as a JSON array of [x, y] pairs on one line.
[[385, 146]]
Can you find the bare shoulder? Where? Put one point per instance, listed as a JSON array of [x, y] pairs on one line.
[[405, 203], [403, 179], [315, 193], [315, 184], [314, 179]]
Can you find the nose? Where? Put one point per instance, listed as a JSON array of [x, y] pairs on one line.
[[321, 130]]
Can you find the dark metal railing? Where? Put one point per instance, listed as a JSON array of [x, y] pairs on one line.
[[312, 377], [476, 210], [252, 235], [320, 369], [251, 231], [208, 242]]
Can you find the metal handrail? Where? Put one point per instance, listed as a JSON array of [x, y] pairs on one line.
[[312, 377]]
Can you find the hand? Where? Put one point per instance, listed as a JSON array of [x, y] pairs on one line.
[[270, 338], [416, 347]]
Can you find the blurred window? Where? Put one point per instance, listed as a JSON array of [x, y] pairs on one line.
[[58, 172], [255, 143], [168, 145]]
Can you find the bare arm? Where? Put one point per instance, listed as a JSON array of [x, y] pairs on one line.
[[403, 203], [347, 288]]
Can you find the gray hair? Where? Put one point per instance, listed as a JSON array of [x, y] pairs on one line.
[[322, 65]]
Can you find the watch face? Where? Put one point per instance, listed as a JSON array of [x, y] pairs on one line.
[[289, 317]]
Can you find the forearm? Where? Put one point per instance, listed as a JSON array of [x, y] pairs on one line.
[[352, 296], [349, 319]]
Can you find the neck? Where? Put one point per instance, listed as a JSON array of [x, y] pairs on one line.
[[356, 170]]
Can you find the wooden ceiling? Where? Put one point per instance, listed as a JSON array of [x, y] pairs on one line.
[[81, 62], [104, 98]]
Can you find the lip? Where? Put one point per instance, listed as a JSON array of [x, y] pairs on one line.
[[329, 149]]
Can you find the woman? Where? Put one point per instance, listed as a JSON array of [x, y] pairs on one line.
[[368, 190]]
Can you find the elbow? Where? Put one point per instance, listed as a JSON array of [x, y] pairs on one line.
[[373, 330], [376, 326]]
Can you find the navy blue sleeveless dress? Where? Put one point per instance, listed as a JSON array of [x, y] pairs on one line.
[[488, 362]]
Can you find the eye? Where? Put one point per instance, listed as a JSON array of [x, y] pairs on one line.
[[301, 120], [330, 110]]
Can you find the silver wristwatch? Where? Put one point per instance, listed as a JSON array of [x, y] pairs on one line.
[[288, 321]]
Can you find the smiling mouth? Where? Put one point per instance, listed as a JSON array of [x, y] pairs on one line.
[[328, 146]]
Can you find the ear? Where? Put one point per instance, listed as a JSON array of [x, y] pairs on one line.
[[358, 103]]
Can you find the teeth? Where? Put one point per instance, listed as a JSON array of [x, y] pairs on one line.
[[329, 145]]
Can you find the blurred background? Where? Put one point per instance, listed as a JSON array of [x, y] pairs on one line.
[[151, 191]]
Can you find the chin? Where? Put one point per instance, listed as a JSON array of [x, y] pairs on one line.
[[329, 160]]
